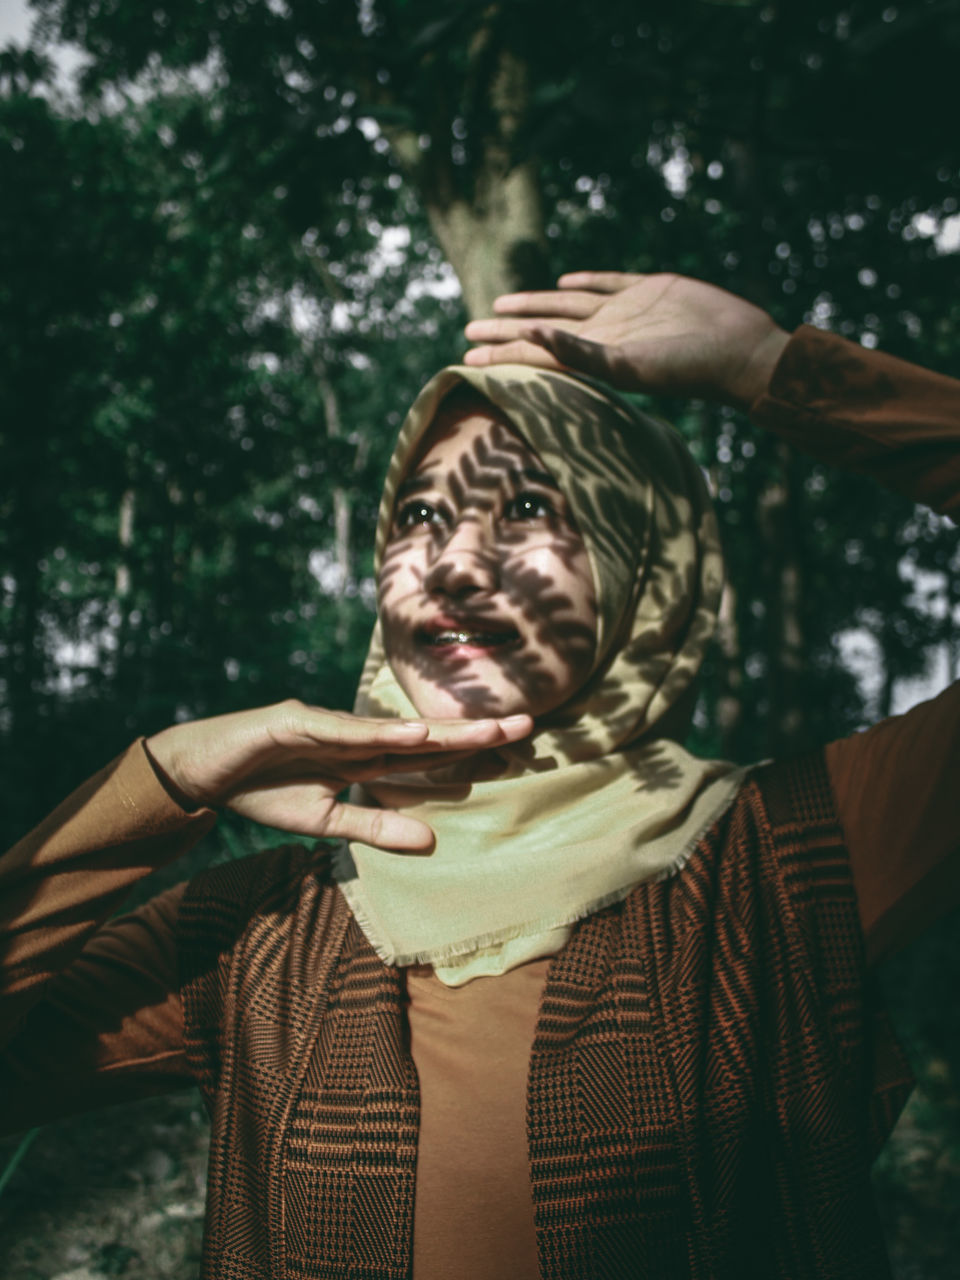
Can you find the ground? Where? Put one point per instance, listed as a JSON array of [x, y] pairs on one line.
[[116, 1193], [120, 1193]]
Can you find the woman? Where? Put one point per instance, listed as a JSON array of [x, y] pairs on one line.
[[571, 1002]]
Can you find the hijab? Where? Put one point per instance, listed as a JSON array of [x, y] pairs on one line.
[[601, 797]]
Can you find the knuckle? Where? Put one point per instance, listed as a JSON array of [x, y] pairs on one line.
[[289, 712]]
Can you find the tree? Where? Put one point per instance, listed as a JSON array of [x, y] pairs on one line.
[[219, 291], [756, 145], [187, 426]]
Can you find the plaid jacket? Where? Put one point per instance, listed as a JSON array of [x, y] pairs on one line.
[[710, 1076]]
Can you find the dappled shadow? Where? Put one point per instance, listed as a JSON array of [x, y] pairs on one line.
[[640, 506], [633, 498], [589, 606], [497, 586]]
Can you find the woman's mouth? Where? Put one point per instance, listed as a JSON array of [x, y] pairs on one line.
[[469, 638]]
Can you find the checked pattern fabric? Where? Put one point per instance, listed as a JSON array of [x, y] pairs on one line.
[[710, 1079]]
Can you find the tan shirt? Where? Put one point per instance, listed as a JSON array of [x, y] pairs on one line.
[[109, 1026]]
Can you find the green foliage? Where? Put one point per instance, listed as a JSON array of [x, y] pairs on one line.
[[210, 340], [169, 466], [785, 152], [197, 258]]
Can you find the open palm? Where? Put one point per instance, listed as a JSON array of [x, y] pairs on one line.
[[286, 765], [660, 333]]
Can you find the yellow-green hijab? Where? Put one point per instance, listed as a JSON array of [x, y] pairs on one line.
[[601, 797]]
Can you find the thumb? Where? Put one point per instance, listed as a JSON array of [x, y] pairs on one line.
[[383, 828]]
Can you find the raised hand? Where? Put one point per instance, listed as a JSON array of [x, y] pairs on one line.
[[658, 333], [285, 765]]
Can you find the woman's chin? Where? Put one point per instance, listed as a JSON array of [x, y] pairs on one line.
[[446, 708], [474, 702]]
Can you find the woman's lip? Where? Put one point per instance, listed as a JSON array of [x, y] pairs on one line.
[[465, 639], [467, 650]]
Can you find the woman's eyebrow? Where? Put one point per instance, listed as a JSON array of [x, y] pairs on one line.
[[414, 484], [422, 480], [538, 477]]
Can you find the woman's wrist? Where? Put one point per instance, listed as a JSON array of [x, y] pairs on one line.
[[753, 379], [159, 750]]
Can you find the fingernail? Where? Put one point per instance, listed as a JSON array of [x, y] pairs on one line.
[[515, 720]]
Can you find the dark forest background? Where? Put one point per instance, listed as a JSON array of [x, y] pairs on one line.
[[228, 263]]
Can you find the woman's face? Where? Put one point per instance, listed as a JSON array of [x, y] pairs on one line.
[[486, 597]]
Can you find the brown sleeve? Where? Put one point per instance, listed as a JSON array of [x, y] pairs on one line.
[[108, 1029], [867, 412], [898, 794], [89, 1010], [897, 785]]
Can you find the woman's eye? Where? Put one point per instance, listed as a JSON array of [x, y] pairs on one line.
[[529, 506], [415, 513]]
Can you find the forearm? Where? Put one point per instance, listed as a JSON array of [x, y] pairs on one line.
[[895, 784], [107, 1029], [868, 412], [896, 791], [73, 872]]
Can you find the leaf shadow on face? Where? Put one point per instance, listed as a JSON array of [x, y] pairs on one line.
[[636, 502], [481, 479]]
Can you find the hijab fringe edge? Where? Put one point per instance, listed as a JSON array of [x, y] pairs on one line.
[[487, 941]]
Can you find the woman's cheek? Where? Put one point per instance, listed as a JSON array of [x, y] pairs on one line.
[[400, 579]]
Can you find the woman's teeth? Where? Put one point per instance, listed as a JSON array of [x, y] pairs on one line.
[[484, 638]]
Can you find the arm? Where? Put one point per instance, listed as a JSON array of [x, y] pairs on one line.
[[665, 334], [895, 785], [89, 1010], [74, 871]]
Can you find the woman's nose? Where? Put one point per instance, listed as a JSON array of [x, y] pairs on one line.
[[465, 562]]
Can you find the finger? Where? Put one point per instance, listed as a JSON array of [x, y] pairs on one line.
[[599, 281], [519, 352], [593, 358], [357, 736], [307, 810], [302, 780], [547, 302], [383, 828], [473, 734], [317, 727], [494, 330], [362, 738], [453, 735], [366, 771]]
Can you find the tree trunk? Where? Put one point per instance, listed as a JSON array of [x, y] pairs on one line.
[[780, 529], [951, 631], [27, 732], [485, 207], [342, 512], [493, 243], [125, 538], [119, 676], [778, 508], [25, 662], [729, 705]]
